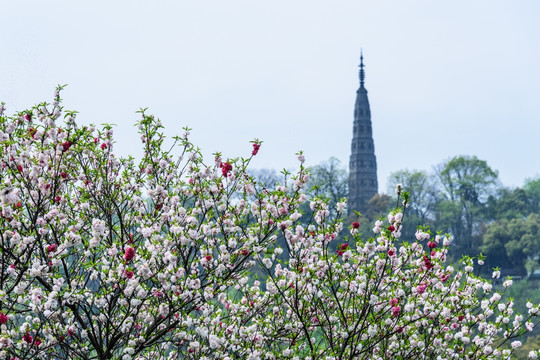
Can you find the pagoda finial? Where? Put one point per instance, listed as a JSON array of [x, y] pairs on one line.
[[362, 72]]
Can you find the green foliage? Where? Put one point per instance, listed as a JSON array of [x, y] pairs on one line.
[[466, 184], [508, 204], [532, 343], [532, 189], [422, 191], [377, 206], [329, 179], [516, 241]]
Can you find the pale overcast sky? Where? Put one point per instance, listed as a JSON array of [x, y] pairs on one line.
[[444, 78]]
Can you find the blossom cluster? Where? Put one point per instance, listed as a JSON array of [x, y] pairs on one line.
[[105, 257]]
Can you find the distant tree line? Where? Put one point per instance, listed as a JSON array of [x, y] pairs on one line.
[[463, 196]]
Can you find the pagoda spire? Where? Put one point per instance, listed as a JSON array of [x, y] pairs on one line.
[[363, 184], [362, 74]]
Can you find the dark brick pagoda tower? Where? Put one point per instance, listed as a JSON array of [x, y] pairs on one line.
[[362, 164]]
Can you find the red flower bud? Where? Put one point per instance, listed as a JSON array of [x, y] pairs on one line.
[[355, 225]]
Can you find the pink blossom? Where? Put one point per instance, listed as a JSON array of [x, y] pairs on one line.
[[516, 344], [28, 338], [225, 168], [427, 263], [66, 145], [129, 254], [32, 132], [3, 318]]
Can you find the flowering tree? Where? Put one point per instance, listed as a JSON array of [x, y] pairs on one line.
[[104, 258], [107, 258], [377, 299]]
